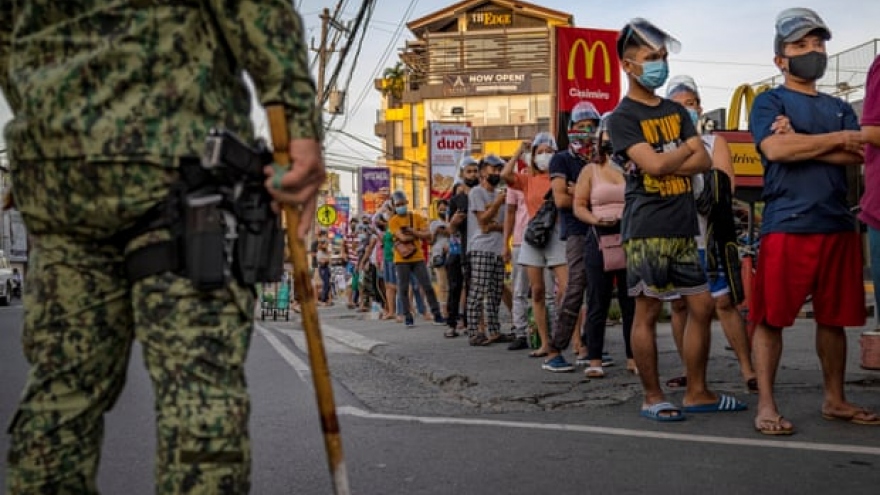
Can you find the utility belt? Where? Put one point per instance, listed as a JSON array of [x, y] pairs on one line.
[[219, 216]]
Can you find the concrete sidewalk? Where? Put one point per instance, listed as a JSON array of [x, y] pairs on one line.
[[493, 379]]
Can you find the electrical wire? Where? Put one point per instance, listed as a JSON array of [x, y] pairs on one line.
[[382, 59], [369, 15], [359, 19]]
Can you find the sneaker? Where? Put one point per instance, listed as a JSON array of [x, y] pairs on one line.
[[518, 344], [557, 365], [439, 320], [607, 360], [582, 361], [409, 321]]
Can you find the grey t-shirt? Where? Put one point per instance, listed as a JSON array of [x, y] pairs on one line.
[[479, 199]]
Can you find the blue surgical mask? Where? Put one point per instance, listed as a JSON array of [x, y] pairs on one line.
[[695, 116], [654, 74], [400, 210]]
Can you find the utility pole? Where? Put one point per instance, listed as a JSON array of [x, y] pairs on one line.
[[322, 56], [326, 48]]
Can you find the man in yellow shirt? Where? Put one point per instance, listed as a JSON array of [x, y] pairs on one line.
[[409, 230]]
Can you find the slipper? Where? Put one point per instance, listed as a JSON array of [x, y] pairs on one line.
[[725, 403], [594, 372], [677, 382], [479, 340], [851, 418], [655, 412], [536, 354], [776, 427], [450, 334]]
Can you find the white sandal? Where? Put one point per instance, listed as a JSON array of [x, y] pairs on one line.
[[594, 372]]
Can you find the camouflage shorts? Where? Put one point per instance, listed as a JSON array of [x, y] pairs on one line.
[[664, 267]]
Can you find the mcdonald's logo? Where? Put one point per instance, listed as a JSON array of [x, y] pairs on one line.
[[743, 97], [589, 58]]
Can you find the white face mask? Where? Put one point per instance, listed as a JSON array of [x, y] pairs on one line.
[[542, 161]]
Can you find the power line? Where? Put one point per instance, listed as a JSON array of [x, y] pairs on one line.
[[370, 9], [384, 57]]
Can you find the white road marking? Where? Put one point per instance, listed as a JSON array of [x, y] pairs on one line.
[[302, 369], [299, 366], [330, 345], [623, 432]]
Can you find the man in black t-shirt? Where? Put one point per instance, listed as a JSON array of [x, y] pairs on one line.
[[658, 139], [456, 266]]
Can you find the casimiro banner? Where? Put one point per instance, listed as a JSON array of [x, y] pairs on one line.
[[587, 68]]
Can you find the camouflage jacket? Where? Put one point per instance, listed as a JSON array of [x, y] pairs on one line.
[[144, 80]]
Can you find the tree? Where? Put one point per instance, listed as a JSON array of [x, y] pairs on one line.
[[394, 81]]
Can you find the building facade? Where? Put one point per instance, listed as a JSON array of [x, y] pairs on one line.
[[485, 63]]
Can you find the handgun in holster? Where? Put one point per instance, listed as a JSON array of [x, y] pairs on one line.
[[220, 218]]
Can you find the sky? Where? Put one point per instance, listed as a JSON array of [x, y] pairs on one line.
[[724, 44]]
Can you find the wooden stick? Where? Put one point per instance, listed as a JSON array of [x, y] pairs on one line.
[[305, 294]]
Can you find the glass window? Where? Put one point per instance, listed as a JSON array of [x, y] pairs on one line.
[[519, 109], [476, 110], [497, 108], [542, 107]]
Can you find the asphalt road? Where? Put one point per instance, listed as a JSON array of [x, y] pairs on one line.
[[402, 434]]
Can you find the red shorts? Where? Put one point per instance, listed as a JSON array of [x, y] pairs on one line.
[[794, 266]]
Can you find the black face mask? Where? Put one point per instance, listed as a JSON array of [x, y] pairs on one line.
[[472, 182], [809, 66], [493, 180]]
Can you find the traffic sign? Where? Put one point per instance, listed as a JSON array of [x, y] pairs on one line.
[[326, 215]]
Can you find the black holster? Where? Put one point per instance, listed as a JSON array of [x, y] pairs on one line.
[[221, 227]]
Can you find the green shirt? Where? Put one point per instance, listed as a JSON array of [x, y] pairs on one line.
[[388, 246], [144, 80]]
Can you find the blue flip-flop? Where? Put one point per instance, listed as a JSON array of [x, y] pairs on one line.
[[654, 411], [725, 403]]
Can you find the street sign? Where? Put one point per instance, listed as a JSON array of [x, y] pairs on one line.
[[326, 215]]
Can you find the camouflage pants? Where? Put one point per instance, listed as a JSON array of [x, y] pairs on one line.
[[81, 316]]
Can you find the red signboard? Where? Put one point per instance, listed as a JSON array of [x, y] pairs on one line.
[[586, 68]]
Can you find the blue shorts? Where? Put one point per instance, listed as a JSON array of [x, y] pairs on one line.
[[718, 285], [389, 272]]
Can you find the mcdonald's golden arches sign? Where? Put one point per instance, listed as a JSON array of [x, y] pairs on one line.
[[587, 68]]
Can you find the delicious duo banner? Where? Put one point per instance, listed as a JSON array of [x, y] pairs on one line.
[[448, 144]]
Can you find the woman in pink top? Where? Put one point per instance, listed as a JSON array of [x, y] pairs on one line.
[[598, 201], [535, 184]]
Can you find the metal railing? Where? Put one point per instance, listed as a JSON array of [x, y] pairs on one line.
[[846, 73]]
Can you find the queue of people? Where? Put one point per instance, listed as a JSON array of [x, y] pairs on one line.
[[639, 204]]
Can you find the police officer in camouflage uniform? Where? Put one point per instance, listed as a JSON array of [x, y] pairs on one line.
[[108, 98]]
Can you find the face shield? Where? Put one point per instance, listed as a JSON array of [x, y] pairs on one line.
[[649, 35]]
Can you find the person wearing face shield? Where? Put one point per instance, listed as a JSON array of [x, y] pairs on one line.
[[535, 185], [565, 167], [810, 244], [657, 139], [683, 90]]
